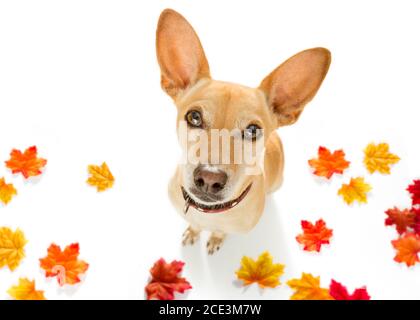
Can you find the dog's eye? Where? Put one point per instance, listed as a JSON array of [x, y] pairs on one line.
[[193, 117], [252, 132]]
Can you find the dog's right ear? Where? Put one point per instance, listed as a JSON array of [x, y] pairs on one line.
[[294, 83], [179, 52]]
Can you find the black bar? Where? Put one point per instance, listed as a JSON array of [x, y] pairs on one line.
[[197, 309]]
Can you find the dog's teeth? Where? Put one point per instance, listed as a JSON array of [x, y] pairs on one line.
[[187, 206], [234, 203]]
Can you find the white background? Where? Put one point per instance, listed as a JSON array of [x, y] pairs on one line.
[[79, 79]]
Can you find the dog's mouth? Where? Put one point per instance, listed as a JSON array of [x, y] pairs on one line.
[[217, 208]]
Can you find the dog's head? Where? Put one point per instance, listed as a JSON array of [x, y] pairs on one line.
[[248, 114]]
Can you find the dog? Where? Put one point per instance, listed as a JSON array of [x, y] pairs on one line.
[[221, 197]]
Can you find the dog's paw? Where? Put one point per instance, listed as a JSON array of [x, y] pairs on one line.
[[190, 236], [214, 244]]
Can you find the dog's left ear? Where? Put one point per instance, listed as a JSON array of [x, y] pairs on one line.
[[180, 55], [294, 83]]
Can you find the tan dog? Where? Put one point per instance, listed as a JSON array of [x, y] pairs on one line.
[[222, 198]]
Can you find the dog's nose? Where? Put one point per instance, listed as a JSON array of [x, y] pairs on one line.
[[210, 180]]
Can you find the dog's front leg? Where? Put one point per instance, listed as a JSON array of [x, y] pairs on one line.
[[190, 235], [215, 241]]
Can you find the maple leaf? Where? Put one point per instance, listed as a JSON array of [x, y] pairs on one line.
[[100, 177], [314, 235], [402, 219], [64, 264], [329, 163], [25, 290], [26, 163], [339, 292], [357, 189], [378, 158], [11, 247], [416, 212], [408, 248], [414, 190], [7, 191], [263, 271], [166, 281], [308, 288]]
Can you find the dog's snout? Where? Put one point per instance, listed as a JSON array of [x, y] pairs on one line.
[[210, 180]]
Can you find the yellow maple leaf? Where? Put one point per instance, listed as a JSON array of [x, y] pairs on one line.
[[25, 290], [100, 177], [7, 191], [378, 158], [11, 247], [263, 271], [356, 190], [308, 288]]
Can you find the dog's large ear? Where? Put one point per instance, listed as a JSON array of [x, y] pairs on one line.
[[180, 54], [294, 83]]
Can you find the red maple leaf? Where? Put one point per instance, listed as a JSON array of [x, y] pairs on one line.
[[314, 235], [402, 219], [329, 163], [416, 212], [166, 280], [414, 189], [339, 292]]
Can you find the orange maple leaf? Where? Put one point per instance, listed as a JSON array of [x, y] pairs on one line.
[[100, 177], [262, 271], [308, 288], [356, 190], [314, 236], [166, 280], [12, 247], [408, 249], [329, 163], [26, 290], [378, 158], [7, 191], [64, 264], [26, 163]]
